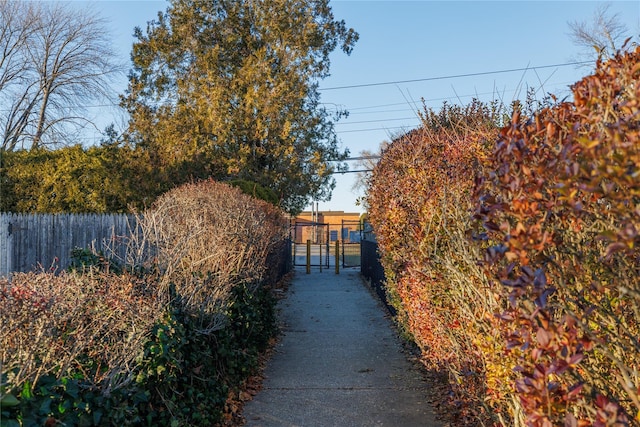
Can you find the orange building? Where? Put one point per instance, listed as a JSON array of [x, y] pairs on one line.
[[327, 226]]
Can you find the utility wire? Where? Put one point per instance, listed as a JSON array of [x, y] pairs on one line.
[[376, 121], [351, 110], [455, 76], [372, 129], [348, 159], [343, 172], [354, 110]]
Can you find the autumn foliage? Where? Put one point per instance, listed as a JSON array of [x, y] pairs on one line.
[[513, 254], [51, 324], [420, 199]]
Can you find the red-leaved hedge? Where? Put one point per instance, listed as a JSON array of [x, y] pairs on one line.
[[524, 286]]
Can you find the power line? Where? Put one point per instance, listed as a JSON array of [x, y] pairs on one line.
[[398, 110], [373, 129], [354, 110], [348, 159], [351, 110], [348, 122], [455, 76], [375, 121], [358, 171]]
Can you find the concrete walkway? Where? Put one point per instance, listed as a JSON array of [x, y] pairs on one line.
[[339, 362]]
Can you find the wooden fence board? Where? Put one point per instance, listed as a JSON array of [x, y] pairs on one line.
[[43, 241], [6, 243]]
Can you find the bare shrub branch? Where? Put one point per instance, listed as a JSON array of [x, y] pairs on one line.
[[50, 324], [205, 239]]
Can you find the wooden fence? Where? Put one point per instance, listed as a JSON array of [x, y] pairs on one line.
[[43, 241]]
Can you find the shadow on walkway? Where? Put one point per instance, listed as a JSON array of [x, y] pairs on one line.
[[339, 362]]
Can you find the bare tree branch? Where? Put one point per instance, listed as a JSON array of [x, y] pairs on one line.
[[601, 37], [59, 61], [17, 23], [365, 163]]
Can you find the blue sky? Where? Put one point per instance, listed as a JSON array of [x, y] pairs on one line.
[[423, 40]]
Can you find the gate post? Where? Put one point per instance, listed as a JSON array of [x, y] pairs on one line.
[[337, 256], [308, 256]]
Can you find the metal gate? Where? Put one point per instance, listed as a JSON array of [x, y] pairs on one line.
[[317, 234], [351, 236]]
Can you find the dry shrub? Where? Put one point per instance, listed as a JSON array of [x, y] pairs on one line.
[[561, 207], [420, 205], [93, 324], [163, 342], [205, 238]]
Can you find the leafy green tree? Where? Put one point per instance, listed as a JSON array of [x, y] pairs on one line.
[[255, 190], [229, 89]]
